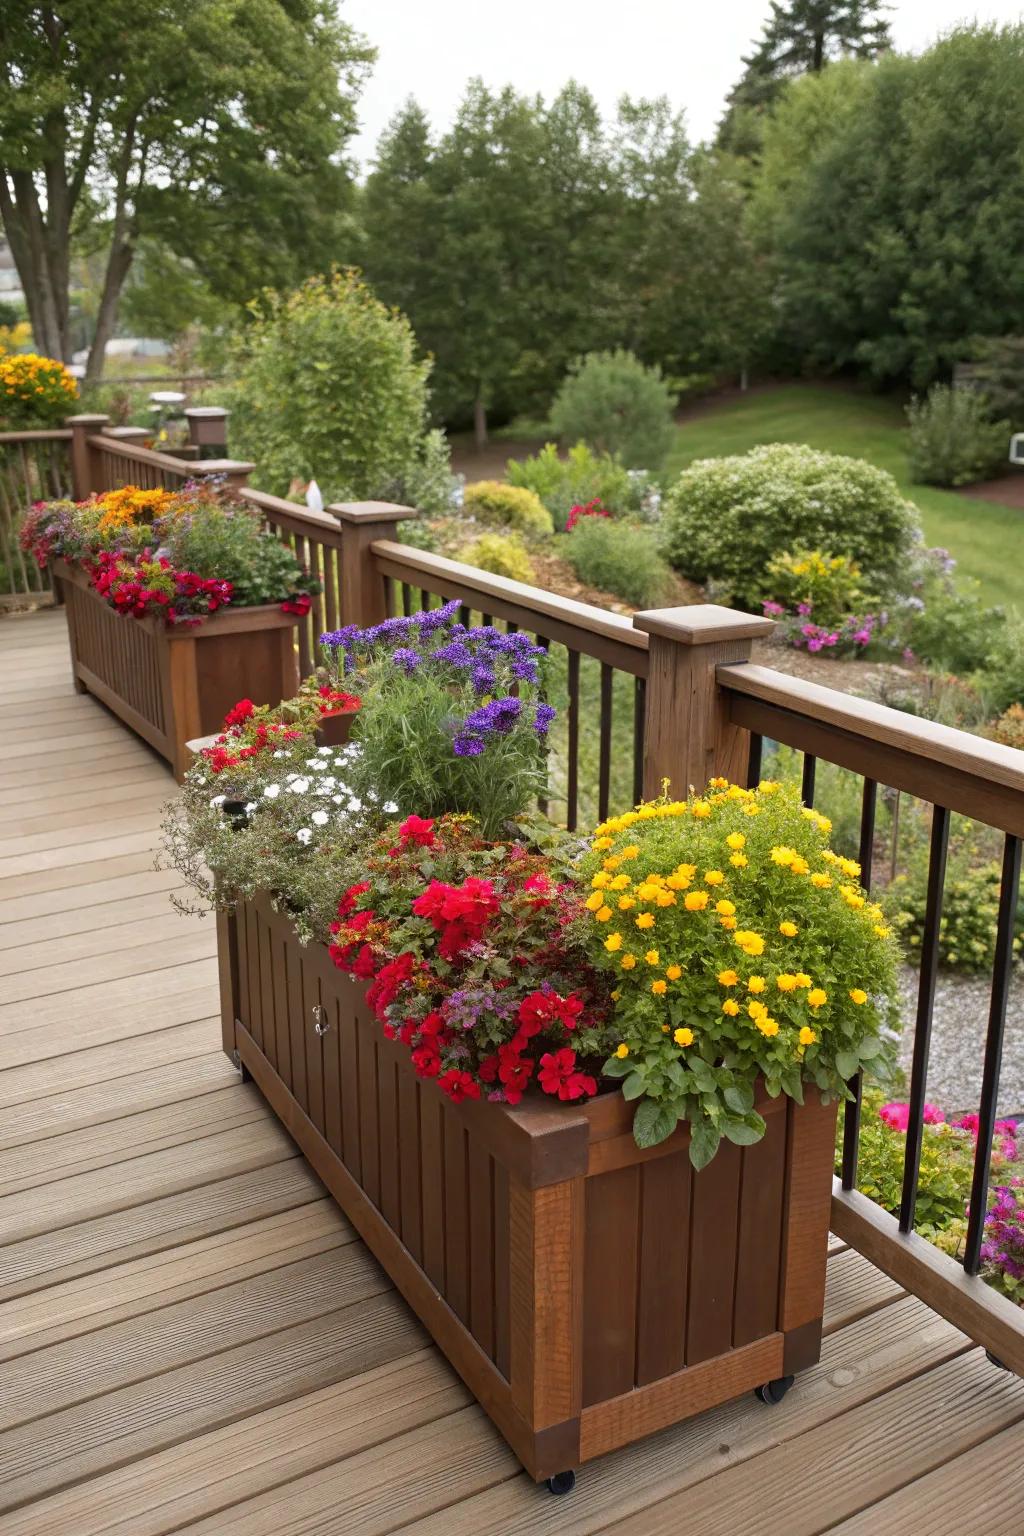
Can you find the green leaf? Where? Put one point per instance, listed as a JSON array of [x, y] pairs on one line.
[[743, 1130], [847, 1063], [617, 1066], [739, 1097], [870, 1048], [634, 1086], [703, 1075], [793, 1084], [704, 1143], [653, 1123]]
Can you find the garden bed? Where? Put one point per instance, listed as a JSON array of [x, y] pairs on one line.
[[588, 1291]]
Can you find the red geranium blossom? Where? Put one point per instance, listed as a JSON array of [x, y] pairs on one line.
[[239, 714], [416, 829], [558, 1075], [459, 1085], [389, 981]]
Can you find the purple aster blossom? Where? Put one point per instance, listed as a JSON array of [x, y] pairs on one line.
[[483, 679], [340, 638], [497, 717], [432, 619], [406, 658], [455, 653], [526, 671], [466, 745], [542, 717]]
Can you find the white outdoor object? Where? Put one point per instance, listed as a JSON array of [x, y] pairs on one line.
[[314, 497], [1017, 448], [167, 397]]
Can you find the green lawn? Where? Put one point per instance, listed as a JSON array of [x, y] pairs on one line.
[[987, 540]]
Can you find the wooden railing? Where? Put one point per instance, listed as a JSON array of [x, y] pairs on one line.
[[34, 466]]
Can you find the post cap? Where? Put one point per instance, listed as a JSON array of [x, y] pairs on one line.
[[127, 434], [87, 420], [224, 466], [703, 624], [370, 512], [207, 412]]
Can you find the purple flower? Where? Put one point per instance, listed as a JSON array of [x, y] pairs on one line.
[[542, 718], [526, 671], [406, 658], [483, 679], [455, 653], [499, 716], [803, 609], [432, 619], [465, 745]]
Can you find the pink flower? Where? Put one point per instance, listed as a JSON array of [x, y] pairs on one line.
[[897, 1116]]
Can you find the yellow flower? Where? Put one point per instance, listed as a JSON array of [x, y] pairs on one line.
[[666, 899], [816, 997], [739, 861], [627, 962], [673, 972], [728, 923], [799, 866], [751, 944], [631, 851], [807, 1035], [615, 995], [731, 1007], [713, 877], [701, 810], [757, 1010], [611, 863], [613, 942], [622, 1051], [751, 810], [783, 855], [659, 988], [768, 787], [645, 891], [756, 984], [695, 901], [736, 841], [625, 903], [683, 1037], [603, 842], [593, 901], [652, 957], [727, 978], [724, 908], [803, 980], [767, 1026], [789, 930], [785, 982], [850, 867], [603, 914], [645, 920], [620, 883], [858, 995], [719, 783], [821, 881], [600, 880], [881, 930], [677, 882]]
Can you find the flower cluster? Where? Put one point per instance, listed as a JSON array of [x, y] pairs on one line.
[[1002, 1247], [147, 584], [34, 390], [743, 948], [589, 509], [818, 603], [470, 952], [897, 1115]]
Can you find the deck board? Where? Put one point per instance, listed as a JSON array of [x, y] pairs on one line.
[[192, 1337]]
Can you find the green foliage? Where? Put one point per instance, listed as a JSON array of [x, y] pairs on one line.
[[997, 371], [619, 558], [580, 476], [829, 583], [944, 1182], [501, 554], [327, 386], [227, 542], [616, 405], [427, 483], [970, 909], [508, 506], [952, 439], [726, 519], [800, 37]]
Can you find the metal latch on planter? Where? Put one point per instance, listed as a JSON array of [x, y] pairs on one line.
[[320, 1023]]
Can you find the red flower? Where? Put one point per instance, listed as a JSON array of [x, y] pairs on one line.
[[539, 887], [389, 981], [427, 1060], [558, 1075], [351, 897], [334, 702], [365, 964], [415, 829], [299, 603], [240, 714], [473, 902], [541, 1009], [459, 1085]]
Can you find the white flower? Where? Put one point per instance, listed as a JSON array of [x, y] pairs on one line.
[[272, 791], [355, 805], [337, 799], [304, 834], [313, 762], [217, 800], [250, 807], [324, 751], [390, 809], [319, 818], [299, 786], [289, 777], [280, 753]]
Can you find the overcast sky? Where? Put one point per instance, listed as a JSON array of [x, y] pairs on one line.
[[688, 50]]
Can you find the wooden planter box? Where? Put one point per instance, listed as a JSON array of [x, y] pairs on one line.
[[587, 1292], [172, 684]]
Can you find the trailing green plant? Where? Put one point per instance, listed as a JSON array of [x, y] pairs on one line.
[[725, 520], [501, 554], [508, 506], [952, 439], [581, 476], [619, 558], [617, 405]]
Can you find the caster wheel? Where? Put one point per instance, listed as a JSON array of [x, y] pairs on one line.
[[995, 1360], [562, 1482], [774, 1391]]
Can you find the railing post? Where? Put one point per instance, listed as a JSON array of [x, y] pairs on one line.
[[235, 471], [362, 594], [136, 435], [84, 466], [208, 430], [689, 737]]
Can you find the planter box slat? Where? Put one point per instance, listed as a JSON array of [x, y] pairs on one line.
[[588, 1292]]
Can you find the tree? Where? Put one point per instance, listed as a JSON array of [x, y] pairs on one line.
[[216, 126], [799, 38]]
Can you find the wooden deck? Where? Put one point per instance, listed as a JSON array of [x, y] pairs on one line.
[[192, 1338]]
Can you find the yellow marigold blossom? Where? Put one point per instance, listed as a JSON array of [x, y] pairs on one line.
[[677, 882], [593, 901], [611, 863], [724, 908], [768, 787], [615, 995], [613, 942], [603, 842], [673, 972], [665, 1028], [686, 870], [739, 861], [736, 841], [720, 784], [756, 984], [882, 931], [645, 920], [713, 877], [799, 866], [627, 962], [803, 980], [821, 881], [807, 1035], [751, 810], [695, 901], [850, 867], [727, 922], [767, 1026], [600, 880], [626, 903], [659, 987], [858, 995], [783, 855], [788, 930], [727, 979], [683, 1037], [701, 810], [785, 982], [645, 891], [603, 914], [666, 899], [731, 1007], [620, 883], [817, 997], [757, 1010], [622, 1051], [652, 957], [632, 851], [851, 896], [751, 944]]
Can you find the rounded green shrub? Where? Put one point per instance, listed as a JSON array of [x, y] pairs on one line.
[[726, 519], [618, 558], [508, 506], [500, 553], [581, 476], [616, 405], [328, 386], [970, 911], [952, 438]]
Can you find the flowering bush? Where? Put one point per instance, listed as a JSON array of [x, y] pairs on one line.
[[563, 481], [180, 554], [34, 391], [742, 948], [251, 730], [453, 719], [474, 961], [1002, 1248], [944, 1183], [587, 509], [818, 602]]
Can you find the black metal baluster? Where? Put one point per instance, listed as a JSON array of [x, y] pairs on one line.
[[486, 620], [465, 615], [639, 725], [754, 760], [851, 1113], [925, 1005], [513, 629], [604, 778], [807, 782], [424, 600], [406, 599], [573, 788], [1001, 975]]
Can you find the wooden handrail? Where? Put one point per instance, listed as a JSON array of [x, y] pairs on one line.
[[165, 461], [295, 517], [38, 435]]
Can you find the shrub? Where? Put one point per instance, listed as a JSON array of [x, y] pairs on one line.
[[970, 909], [428, 483], [827, 587], [998, 374], [726, 519], [952, 440], [945, 624], [611, 401], [508, 506], [34, 391], [618, 558], [501, 554], [328, 387], [1009, 728], [583, 476]]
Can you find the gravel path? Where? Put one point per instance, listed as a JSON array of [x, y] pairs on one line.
[[958, 1042]]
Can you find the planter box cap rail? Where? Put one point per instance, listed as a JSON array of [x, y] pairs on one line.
[[703, 624], [371, 512]]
